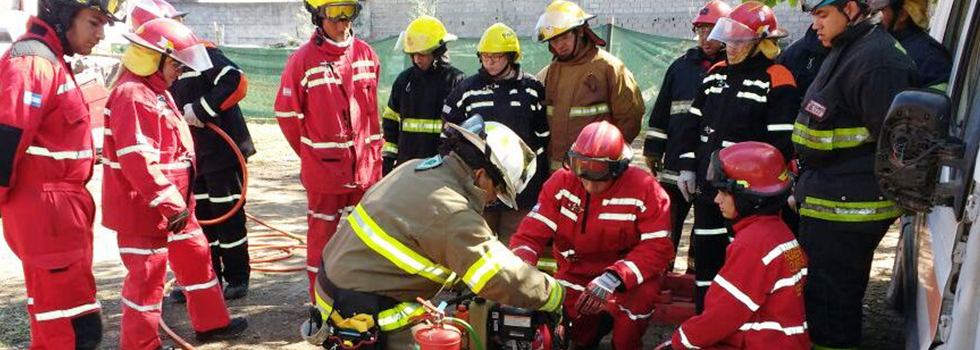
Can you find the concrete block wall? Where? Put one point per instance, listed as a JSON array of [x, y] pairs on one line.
[[263, 23]]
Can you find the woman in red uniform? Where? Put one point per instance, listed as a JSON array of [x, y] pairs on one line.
[[146, 194]]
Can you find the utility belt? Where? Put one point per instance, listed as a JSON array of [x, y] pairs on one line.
[[355, 320]]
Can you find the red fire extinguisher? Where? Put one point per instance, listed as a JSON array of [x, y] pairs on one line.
[[441, 332]]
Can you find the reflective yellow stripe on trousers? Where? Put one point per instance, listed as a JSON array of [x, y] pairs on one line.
[[849, 211], [388, 320], [373, 236]]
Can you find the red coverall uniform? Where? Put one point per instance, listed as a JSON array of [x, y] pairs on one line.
[[327, 107], [756, 300], [46, 158], [149, 167], [624, 229]]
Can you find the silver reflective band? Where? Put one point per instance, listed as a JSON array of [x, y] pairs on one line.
[[66, 313], [141, 308], [60, 155], [206, 285]]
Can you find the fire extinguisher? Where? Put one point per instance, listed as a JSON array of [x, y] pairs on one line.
[[441, 332]]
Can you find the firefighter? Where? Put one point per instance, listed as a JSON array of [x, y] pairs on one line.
[[146, 193], [843, 213], [680, 85], [327, 108], [212, 96], [908, 22], [412, 120], [46, 159], [583, 83], [420, 228], [756, 301], [746, 97], [502, 92], [608, 223], [803, 58]]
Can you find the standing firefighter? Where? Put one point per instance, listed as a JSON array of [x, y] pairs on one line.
[[747, 97], [146, 196], [681, 83], [418, 230], [327, 108], [843, 213], [46, 159], [218, 183], [608, 222], [412, 121], [756, 301], [501, 92], [583, 83], [908, 22]]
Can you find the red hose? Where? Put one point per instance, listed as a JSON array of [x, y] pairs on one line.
[[244, 167]]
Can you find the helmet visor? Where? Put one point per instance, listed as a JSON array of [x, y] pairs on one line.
[[731, 32], [589, 168], [340, 12], [194, 57], [716, 174]]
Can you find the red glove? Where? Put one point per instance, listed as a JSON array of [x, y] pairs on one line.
[[597, 294]]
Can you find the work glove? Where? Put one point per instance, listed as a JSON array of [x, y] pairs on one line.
[[656, 163], [190, 117], [687, 184], [597, 294], [791, 201], [177, 222]]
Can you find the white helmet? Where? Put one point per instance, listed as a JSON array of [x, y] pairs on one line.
[[506, 152]]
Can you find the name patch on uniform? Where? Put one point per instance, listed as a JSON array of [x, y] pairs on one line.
[[429, 163], [816, 109]]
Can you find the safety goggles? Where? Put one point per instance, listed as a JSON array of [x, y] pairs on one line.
[[811, 5], [718, 179], [594, 169], [112, 8], [343, 12]]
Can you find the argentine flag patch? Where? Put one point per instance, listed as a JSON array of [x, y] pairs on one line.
[[32, 99]]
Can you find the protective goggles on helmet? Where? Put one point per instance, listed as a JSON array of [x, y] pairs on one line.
[[594, 169], [811, 5], [112, 8], [729, 31], [719, 180], [340, 12]]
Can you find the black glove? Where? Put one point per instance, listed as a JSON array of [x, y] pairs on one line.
[[656, 163], [387, 165], [176, 223]]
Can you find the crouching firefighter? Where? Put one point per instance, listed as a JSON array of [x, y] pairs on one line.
[[419, 229], [46, 159]]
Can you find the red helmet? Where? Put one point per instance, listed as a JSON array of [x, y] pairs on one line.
[[147, 10], [174, 40], [747, 22], [711, 12], [753, 168], [599, 153]]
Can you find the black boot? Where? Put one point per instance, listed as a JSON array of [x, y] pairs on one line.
[[236, 291], [177, 296], [234, 329]]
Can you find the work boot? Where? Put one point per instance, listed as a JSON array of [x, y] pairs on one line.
[[234, 328], [177, 296], [236, 291]]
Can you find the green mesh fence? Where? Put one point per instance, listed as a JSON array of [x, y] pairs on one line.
[[647, 56]]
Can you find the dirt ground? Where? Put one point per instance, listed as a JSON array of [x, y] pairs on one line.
[[276, 303]]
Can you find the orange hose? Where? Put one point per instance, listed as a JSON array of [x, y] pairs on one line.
[[241, 162]]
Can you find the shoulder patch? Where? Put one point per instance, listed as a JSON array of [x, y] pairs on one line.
[[33, 48], [429, 163], [780, 76]]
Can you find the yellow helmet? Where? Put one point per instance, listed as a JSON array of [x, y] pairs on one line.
[[559, 17], [423, 35], [499, 38]]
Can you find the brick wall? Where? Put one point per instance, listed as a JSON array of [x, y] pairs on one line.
[[263, 23]]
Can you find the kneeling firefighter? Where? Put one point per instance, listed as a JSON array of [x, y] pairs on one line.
[[420, 229]]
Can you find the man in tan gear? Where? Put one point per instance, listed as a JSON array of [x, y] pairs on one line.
[[583, 83], [421, 229]]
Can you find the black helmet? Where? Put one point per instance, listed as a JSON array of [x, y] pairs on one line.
[[59, 13]]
